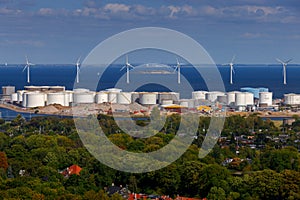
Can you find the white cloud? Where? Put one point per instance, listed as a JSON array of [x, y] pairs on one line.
[[252, 35], [116, 7], [35, 43]]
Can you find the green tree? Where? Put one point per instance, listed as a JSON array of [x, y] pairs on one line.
[[216, 193]]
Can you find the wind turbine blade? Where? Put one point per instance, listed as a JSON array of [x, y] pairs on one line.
[[233, 70], [177, 62], [130, 65], [288, 61], [78, 60], [25, 68], [26, 59], [233, 58], [126, 58], [123, 67], [175, 69], [280, 61]]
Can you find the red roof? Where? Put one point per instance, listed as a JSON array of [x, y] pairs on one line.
[[74, 169]]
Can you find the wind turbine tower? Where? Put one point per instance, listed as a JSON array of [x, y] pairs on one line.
[[27, 66], [178, 66], [77, 69], [231, 69], [127, 66], [284, 64]]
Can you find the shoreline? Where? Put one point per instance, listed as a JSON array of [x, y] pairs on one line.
[[67, 111]]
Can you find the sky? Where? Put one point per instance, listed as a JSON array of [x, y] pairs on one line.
[[59, 31]]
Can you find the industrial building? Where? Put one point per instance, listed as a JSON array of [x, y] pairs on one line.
[[292, 99]]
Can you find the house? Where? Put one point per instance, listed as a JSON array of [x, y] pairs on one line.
[[74, 169]]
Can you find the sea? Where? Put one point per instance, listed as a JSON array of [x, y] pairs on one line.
[[258, 75]]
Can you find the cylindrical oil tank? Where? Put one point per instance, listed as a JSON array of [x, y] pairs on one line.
[[112, 97], [166, 101], [254, 91], [67, 98], [24, 98], [212, 96], [115, 90], [32, 88], [199, 94], [8, 90], [184, 102], [101, 97], [147, 98], [81, 90], [168, 96], [240, 99], [222, 99], [124, 98], [70, 94], [56, 98], [231, 97], [34, 99], [83, 97], [135, 97], [189, 103], [265, 98], [249, 98], [20, 95], [14, 97], [57, 88], [292, 99]]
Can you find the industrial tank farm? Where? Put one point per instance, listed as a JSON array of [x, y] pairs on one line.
[[40, 96]]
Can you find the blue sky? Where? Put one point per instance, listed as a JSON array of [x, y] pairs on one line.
[[58, 31]]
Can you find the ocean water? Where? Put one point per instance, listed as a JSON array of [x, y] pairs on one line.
[[269, 76]]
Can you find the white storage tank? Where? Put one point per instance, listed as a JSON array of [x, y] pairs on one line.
[[189, 103], [8, 90], [147, 98], [34, 99], [166, 102], [265, 98], [67, 98], [135, 97], [199, 94], [212, 96], [57, 88], [83, 97], [70, 95], [112, 97], [168, 96], [231, 97], [292, 99], [14, 97], [249, 98], [116, 90], [184, 102], [57, 98], [101, 97], [81, 90], [124, 98], [240, 99], [20, 95]]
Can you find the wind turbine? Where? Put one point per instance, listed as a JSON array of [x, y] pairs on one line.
[[127, 66], [231, 69], [27, 66], [77, 69], [178, 66], [284, 64]]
